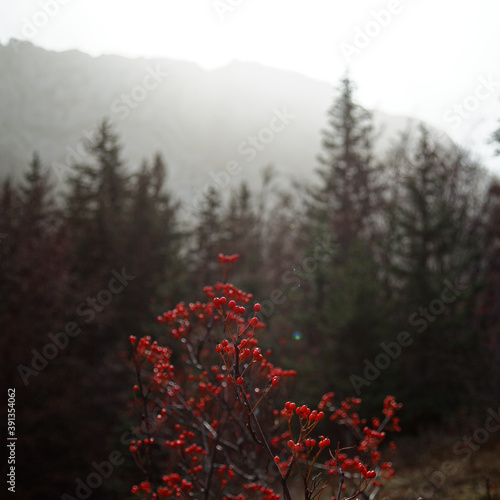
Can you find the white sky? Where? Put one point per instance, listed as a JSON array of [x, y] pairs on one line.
[[422, 60]]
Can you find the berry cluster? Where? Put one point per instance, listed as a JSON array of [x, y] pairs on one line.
[[227, 262], [231, 259], [209, 419]]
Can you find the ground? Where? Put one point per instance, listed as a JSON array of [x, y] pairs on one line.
[[435, 466]]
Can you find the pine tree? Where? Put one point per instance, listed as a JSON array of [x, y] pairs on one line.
[[344, 317], [432, 243], [97, 204], [243, 236], [486, 367], [34, 269], [347, 198], [209, 236], [153, 244]]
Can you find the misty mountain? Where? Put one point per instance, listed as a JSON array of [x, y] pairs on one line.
[[235, 119]]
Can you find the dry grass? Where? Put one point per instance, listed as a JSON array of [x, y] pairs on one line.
[[430, 468]]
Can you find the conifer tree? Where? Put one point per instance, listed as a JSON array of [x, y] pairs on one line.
[[209, 235], [347, 197], [243, 236], [97, 204], [154, 240], [486, 366], [342, 294], [34, 270], [432, 244]]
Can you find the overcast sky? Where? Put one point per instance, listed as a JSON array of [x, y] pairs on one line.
[[432, 59]]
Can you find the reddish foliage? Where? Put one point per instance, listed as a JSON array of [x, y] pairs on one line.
[[210, 427]]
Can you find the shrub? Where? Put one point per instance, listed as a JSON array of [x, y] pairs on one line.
[[212, 425]]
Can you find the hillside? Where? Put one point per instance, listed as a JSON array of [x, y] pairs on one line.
[[201, 121]]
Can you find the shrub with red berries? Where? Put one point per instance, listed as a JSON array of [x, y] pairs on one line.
[[210, 426]]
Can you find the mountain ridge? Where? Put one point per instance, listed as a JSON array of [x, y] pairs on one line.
[[199, 120]]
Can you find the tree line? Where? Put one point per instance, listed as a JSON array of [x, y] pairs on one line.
[[379, 275]]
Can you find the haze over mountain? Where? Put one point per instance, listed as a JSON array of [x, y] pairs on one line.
[[201, 121]]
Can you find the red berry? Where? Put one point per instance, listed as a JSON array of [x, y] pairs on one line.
[[275, 381], [231, 304], [240, 380], [277, 459], [324, 443], [257, 308], [254, 321], [223, 301]]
